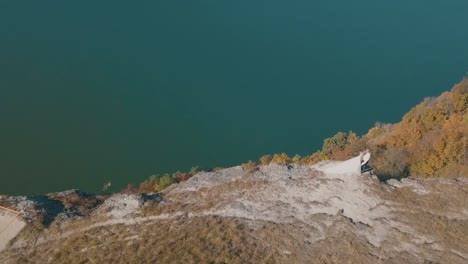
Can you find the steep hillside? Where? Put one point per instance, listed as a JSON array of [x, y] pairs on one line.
[[325, 213], [433, 136], [431, 140]]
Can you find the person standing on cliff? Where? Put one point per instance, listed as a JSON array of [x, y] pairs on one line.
[[364, 159]]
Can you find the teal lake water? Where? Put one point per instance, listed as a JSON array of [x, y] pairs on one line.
[[93, 92]]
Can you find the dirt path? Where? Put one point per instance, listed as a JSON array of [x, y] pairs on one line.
[[10, 226]]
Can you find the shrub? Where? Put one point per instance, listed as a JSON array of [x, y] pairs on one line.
[[250, 166], [379, 129], [282, 158], [313, 158], [296, 158], [150, 185], [217, 169], [157, 183], [440, 148], [180, 176], [165, 181], [335, 143], [454, 170], [130, 189], [391, 163], [195, 170], [342, 146], [266, 160], [146, 188], [356, 146]]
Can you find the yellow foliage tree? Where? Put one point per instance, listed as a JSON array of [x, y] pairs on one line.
[[282, 158]]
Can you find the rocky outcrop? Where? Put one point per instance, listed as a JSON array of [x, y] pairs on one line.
[[285, 214]]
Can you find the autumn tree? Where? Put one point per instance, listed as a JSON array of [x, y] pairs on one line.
[[130, 189]]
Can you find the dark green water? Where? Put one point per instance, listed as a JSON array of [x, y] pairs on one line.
[[92, 92]]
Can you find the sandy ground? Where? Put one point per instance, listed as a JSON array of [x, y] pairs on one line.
[[12, 230]]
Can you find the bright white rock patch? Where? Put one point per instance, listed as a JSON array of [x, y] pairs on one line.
[[121, 205]]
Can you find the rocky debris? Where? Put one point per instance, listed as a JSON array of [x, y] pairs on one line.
[[413, 184]]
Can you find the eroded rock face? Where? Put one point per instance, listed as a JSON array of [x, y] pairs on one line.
[[71, 204], [277, 213]]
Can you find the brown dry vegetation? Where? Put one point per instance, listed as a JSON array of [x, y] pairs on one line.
[[436, 214], [210, 239], [434, 135], [216, 239], [208, 197]]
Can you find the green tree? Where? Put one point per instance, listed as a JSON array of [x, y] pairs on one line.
[[335, 143], [165, 181]]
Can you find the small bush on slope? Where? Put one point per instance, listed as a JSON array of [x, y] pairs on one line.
[[282, 158], [266, 160], [157, 183], [391, 164], [250, 166]]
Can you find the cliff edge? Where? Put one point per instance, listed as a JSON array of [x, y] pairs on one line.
[[275, 214]]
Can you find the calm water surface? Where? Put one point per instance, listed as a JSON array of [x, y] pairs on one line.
[[93, 92]]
